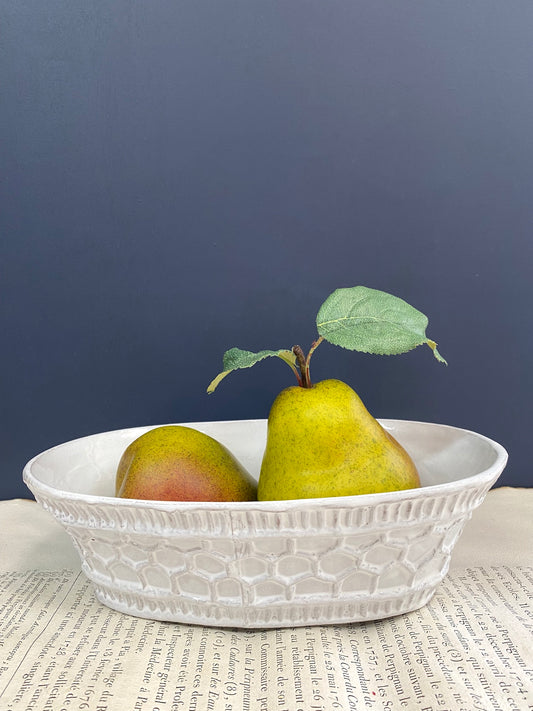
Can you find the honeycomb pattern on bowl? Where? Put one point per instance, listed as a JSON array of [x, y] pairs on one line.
[[268, 570], [267, 564]]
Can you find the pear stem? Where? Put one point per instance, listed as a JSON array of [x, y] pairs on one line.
[[304, 372], [313, 348], [304, 362]]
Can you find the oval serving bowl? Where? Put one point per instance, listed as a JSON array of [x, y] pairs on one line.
[[267, 564]]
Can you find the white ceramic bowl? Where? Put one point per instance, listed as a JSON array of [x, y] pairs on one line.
[[267, 564]]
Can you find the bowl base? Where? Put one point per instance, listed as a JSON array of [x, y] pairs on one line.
[[306, 614]]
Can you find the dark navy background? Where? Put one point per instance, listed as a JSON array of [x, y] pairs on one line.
[[183, 177]]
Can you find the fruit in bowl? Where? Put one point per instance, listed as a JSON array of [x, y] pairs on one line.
[[322, 441], [177, 463]]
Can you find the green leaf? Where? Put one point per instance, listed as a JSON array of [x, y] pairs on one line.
[[236, 358], [372, 321]]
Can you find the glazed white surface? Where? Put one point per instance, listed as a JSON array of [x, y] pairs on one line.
[[267, 564]]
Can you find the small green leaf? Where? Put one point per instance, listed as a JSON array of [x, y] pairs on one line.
[[372, 321], [236, 358]]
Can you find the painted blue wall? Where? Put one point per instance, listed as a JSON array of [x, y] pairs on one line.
[[182, 177]]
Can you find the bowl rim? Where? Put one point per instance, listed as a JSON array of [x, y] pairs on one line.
[[486, 477]]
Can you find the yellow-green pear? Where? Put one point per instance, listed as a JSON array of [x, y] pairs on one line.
[[322, 442], [177, 463]]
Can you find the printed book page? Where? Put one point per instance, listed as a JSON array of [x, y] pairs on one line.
[[469, 649]]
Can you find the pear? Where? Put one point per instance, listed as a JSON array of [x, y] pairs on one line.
[[177, 463], [322, 442]]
